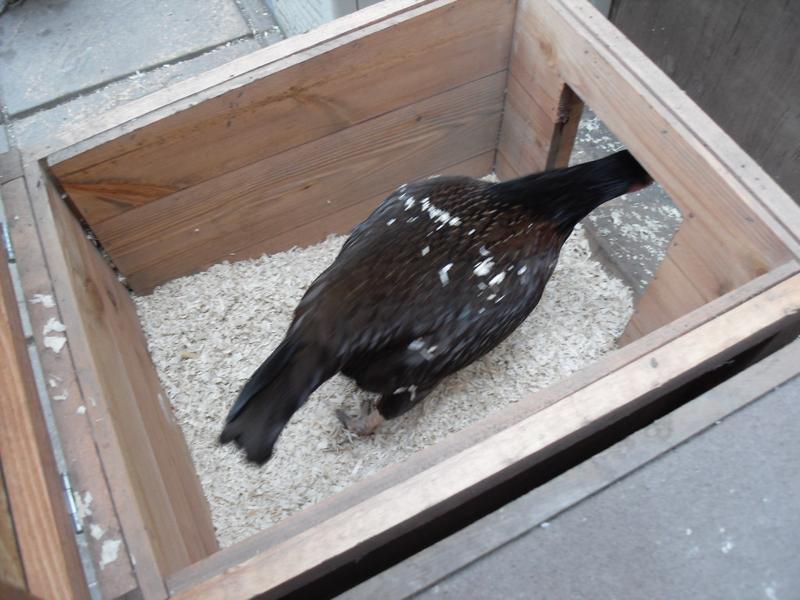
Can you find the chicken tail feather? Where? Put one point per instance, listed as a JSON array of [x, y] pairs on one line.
[[279, 387]]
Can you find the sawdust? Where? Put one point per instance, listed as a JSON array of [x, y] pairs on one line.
[[208, 332]]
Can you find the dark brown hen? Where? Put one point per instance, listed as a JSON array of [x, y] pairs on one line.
[[433, 279]]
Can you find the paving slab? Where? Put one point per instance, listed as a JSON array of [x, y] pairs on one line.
[[51, 49], [48, 129]]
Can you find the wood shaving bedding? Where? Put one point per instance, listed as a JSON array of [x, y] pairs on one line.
[[208, 332]]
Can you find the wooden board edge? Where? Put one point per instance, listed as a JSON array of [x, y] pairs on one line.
[[46, 540], [133, 527], [61, 385], [460, 441]]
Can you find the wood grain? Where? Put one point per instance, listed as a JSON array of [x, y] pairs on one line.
[[727, 237], [541, 114], [343, 537], [243, 213], [315, 515], [305, 96], [11, 571], [66, 395], [43, 528]]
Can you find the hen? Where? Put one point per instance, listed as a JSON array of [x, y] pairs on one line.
[[438, 275]]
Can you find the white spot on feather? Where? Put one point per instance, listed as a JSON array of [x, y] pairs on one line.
[[425, 250], [497, 279], [484, 267], [483, 251], [443, 273], [410, 202], [390, 221], [417, 344], [522, 269]]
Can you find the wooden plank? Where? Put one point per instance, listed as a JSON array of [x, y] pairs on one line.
[[727, 237], [155, 453], [313, 516], [344, 536], [43, 528], [86, 300], [308, 95], [541, 114], [748, 80], [193, 229], [66, 395], [11, 571]]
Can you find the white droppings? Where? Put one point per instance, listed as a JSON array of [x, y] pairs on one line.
[[425, 250], [391, 221], [727, 546], [484, 267], [55, 342], [483, 251], [52, 382], [96, 531], [81, 410], [522, 269], [544, 525], [688, 531], [109, 552], [53, 324], [497, 279], [45, 300], [770, 593], [443, 273], [61, 397], [84, 505]]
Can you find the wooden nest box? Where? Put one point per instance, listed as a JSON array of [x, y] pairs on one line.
[[302, 139]]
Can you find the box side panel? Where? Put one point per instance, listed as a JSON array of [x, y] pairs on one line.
[[302, 97], [728, 235], [268, 206], [163, 511], [541, 114], [41, 525]]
